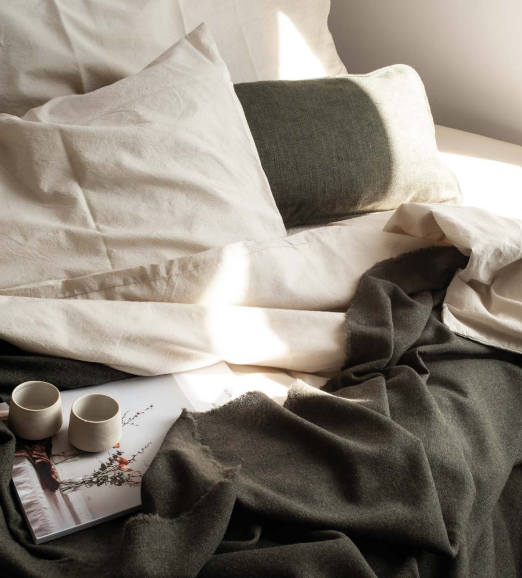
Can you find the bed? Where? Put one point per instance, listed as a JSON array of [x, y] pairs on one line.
[[176, 194]]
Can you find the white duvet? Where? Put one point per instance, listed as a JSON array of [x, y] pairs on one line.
[[277, 304]]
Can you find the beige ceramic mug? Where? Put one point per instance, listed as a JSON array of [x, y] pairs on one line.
[[95, 423], [35, 411]]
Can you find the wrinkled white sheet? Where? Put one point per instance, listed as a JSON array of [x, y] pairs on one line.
[[274, 304], [278, 304], [484, 300]]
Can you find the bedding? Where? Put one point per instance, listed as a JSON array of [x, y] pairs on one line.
[[406, 463], [19, 366], [343, 146], [408, 460], [387, 442], [169, 145], [51, 48], [274, 304]]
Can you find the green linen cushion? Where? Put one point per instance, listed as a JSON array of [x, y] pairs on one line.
[[338, 147]]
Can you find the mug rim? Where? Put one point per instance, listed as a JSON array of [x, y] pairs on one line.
[[90, 421], [46, 408]]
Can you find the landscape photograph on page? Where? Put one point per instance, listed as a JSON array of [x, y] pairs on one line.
[[63, 489]]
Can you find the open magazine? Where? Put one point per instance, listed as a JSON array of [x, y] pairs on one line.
[[63, 490]]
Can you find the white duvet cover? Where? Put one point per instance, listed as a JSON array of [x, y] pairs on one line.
[[277, 304]]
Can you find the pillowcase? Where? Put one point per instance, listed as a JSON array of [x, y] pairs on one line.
[[50, 48], [269, 39], [338, 147], [156, 166]]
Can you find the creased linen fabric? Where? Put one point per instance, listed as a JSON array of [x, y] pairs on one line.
[[51, 48], [269, 39], [484, 300], [158, 165], [274, 304]]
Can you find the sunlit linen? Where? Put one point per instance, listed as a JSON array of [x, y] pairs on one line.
[[275, 304], [52, 48], [278, 304]]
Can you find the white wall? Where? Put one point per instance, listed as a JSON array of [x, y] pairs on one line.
[[468, 53]]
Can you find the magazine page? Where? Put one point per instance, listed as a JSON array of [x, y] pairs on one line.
[[216, 385], [208, 387]]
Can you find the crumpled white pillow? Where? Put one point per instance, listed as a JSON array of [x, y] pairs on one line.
[[158, 165]]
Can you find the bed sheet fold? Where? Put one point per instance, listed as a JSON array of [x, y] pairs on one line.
[[274, 304]]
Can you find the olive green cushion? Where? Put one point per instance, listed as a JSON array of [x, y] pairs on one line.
[[337, 147]]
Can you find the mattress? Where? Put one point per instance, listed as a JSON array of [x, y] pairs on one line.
[[489, 171]]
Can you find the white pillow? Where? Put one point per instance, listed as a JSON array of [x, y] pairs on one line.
[[158, 165], [51, 48], [269, 39]]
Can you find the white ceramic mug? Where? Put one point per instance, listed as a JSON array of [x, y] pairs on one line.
[[35, 411], [95, 423]]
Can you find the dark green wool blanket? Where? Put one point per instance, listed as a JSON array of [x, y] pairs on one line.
[[408, 464], [17, 366]]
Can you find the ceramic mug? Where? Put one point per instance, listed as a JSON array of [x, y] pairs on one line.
[[95, 423], [35, 411]]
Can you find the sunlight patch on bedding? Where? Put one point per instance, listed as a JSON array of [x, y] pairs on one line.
[[296, 60], [238, 334], [229, 283], [243, 335]]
